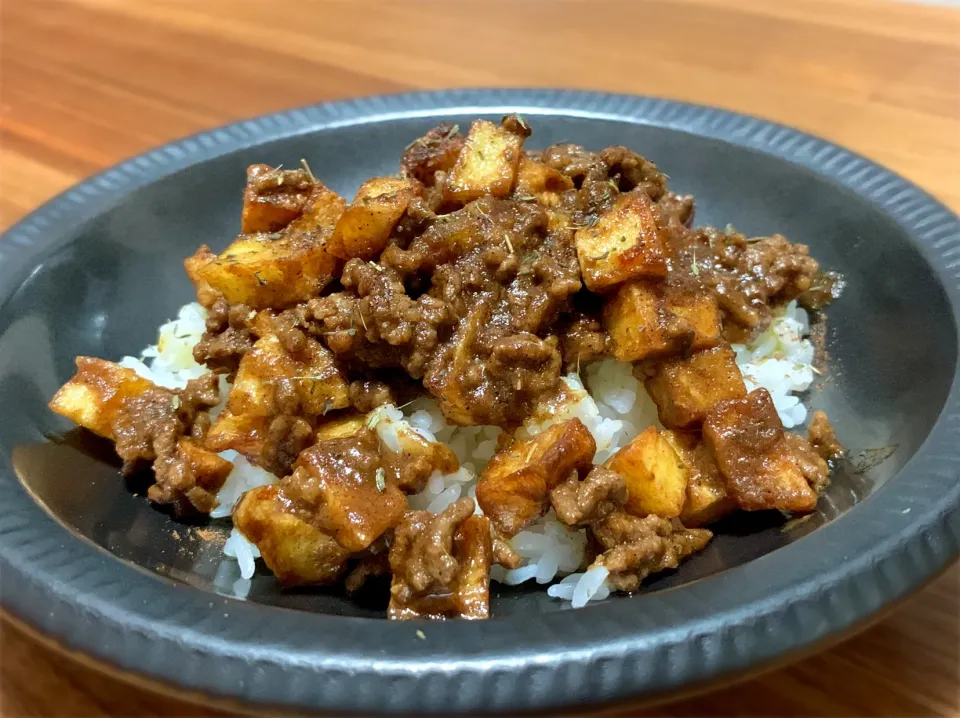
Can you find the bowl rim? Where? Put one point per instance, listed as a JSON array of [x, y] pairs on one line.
[[649, 646]]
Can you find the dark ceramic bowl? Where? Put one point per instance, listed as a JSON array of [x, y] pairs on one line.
[[88, 562]]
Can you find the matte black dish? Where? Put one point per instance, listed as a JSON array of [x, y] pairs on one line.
[[88, 562]]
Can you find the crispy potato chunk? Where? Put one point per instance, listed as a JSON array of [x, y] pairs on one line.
[[656, 479], [297, 552], [699, 310], [94, 396], [441, 565], [487, 164], [319, 216], [203, 472], [746, 438], [437, 151], [261, 272], [244, 433], [540, 181], [642, 326], [268, 271], [707, 499], [270, 375], [624, 244], [447, 386], [341, 427], [273, 198], [686, 389], [365, 226], [337, 481], [514, 488]]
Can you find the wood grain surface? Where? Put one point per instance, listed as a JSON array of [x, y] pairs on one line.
[[85, 83]]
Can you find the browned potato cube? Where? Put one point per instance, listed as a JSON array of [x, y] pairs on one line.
[[353, 501], [541, 182], [341, 427], [700, 312], [656, 479], [514, 487], [297, 552], [209, 472], [707, 498], [686, 389], [244, 433], [93, 397], [206, 294], [273, 271], [273, 198], [268, 370], [437, 151], [746, 438], [473, 549], [263, 273], [624, 244], [320, 214], [487, 164], [365, 226], [447, 386], [641, 325]]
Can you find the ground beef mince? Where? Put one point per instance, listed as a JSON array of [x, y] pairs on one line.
[[441, 564], [750, 277], [585, 502], [227, 339], [637, 547], [468, 308], [165, 427]]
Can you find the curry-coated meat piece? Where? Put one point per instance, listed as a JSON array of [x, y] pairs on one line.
[[637, 547], [340, 486], [441, 564], [514, 489], [227, 338], [584, 502], [749, 277], [762, 468]]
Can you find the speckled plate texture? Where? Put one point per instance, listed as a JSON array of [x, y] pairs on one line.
[[88, 562]]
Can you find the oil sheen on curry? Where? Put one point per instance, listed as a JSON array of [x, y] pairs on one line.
[[480, 280]]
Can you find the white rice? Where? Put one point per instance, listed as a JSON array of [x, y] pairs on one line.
[[244, 551], [612, 404], [169, 362]]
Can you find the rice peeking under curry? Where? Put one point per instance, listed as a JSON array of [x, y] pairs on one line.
[[499, 364]]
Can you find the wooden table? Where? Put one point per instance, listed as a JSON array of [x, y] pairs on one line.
[[86, 83]]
